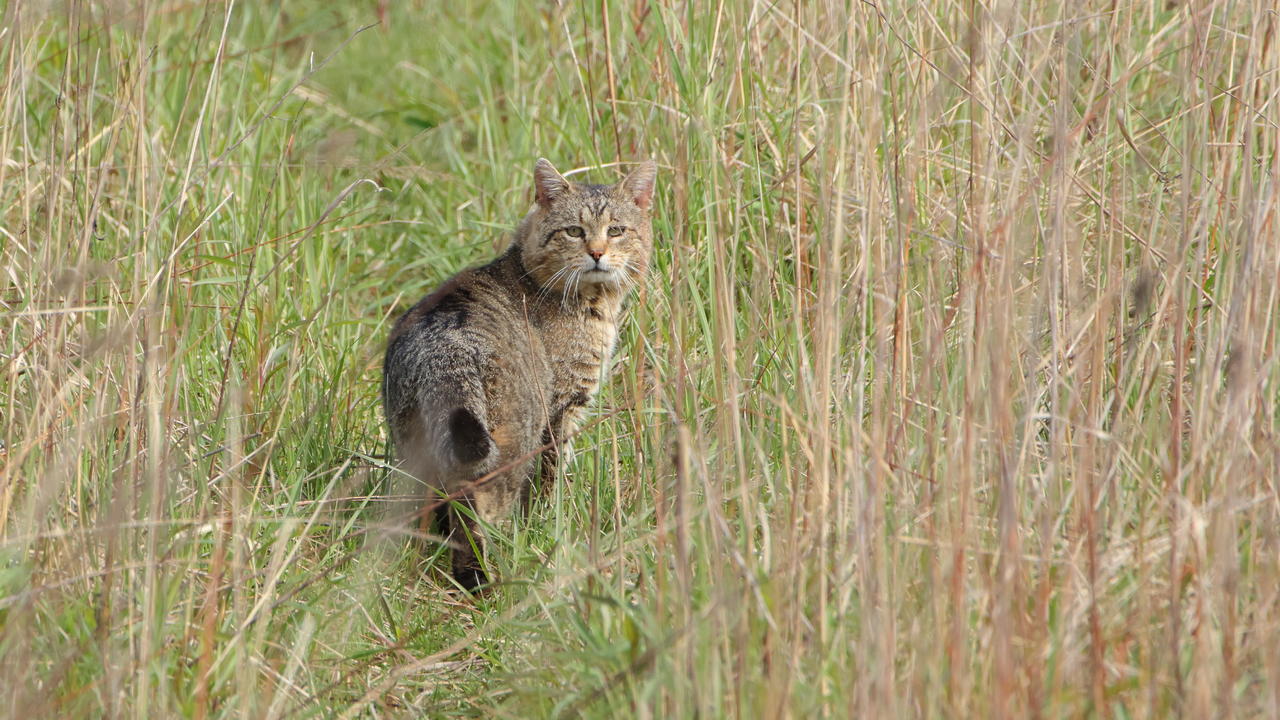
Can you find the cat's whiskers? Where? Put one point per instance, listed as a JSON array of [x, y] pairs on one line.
[[546, 287], [551, 280], [577, 281], [570, 287], [625, 275]]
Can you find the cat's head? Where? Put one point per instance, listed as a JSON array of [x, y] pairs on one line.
[[588, 236]]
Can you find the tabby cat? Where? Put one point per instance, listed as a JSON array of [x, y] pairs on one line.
[[491, 372]]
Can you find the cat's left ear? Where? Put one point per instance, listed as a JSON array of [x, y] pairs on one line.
[[639, 184]]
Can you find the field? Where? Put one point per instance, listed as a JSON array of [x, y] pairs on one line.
[[953, 391]]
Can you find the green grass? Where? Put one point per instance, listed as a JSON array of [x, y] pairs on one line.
[[952, 391]]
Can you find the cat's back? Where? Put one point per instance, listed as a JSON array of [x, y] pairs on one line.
[[467, 323], [467, 309]]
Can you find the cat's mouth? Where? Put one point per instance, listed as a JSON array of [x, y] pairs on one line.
[[598, 270]]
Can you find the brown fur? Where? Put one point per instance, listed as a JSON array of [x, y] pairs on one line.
[[424, 306], [503, 358]]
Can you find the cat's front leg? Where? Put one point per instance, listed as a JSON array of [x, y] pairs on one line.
[[554, 460], [558, 441]]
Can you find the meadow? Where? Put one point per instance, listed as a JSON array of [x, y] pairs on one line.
[[952, 392]]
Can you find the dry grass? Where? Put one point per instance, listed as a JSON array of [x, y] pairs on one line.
[[953, 392]]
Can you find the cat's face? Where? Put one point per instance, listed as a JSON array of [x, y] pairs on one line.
[[581, 236]]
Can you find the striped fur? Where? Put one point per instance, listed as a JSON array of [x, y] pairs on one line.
[[503, 358]]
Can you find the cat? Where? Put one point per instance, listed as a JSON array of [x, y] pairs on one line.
[[491, 373]]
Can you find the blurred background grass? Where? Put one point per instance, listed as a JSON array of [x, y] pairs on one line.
[[952, 391]]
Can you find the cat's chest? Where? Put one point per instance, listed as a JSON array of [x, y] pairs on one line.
[[589, 340], [579, 345]]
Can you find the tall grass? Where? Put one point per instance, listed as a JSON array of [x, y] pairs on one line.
[[953, 391]]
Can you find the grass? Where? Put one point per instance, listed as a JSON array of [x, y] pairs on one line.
[[953, 390]]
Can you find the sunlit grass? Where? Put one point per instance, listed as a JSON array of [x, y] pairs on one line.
[[952, 392]]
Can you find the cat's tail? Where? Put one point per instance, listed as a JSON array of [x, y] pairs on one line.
[[457, 441], [466, 441]]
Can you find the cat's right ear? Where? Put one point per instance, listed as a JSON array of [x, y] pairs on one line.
[[639, 184], [548, 185]]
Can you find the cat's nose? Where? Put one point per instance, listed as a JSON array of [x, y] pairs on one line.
[[596, 254]]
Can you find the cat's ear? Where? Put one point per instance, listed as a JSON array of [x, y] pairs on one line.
[[639, 184], [548, 185]]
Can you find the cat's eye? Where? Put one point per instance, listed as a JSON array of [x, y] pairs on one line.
[[574, 231], [616, 231]]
